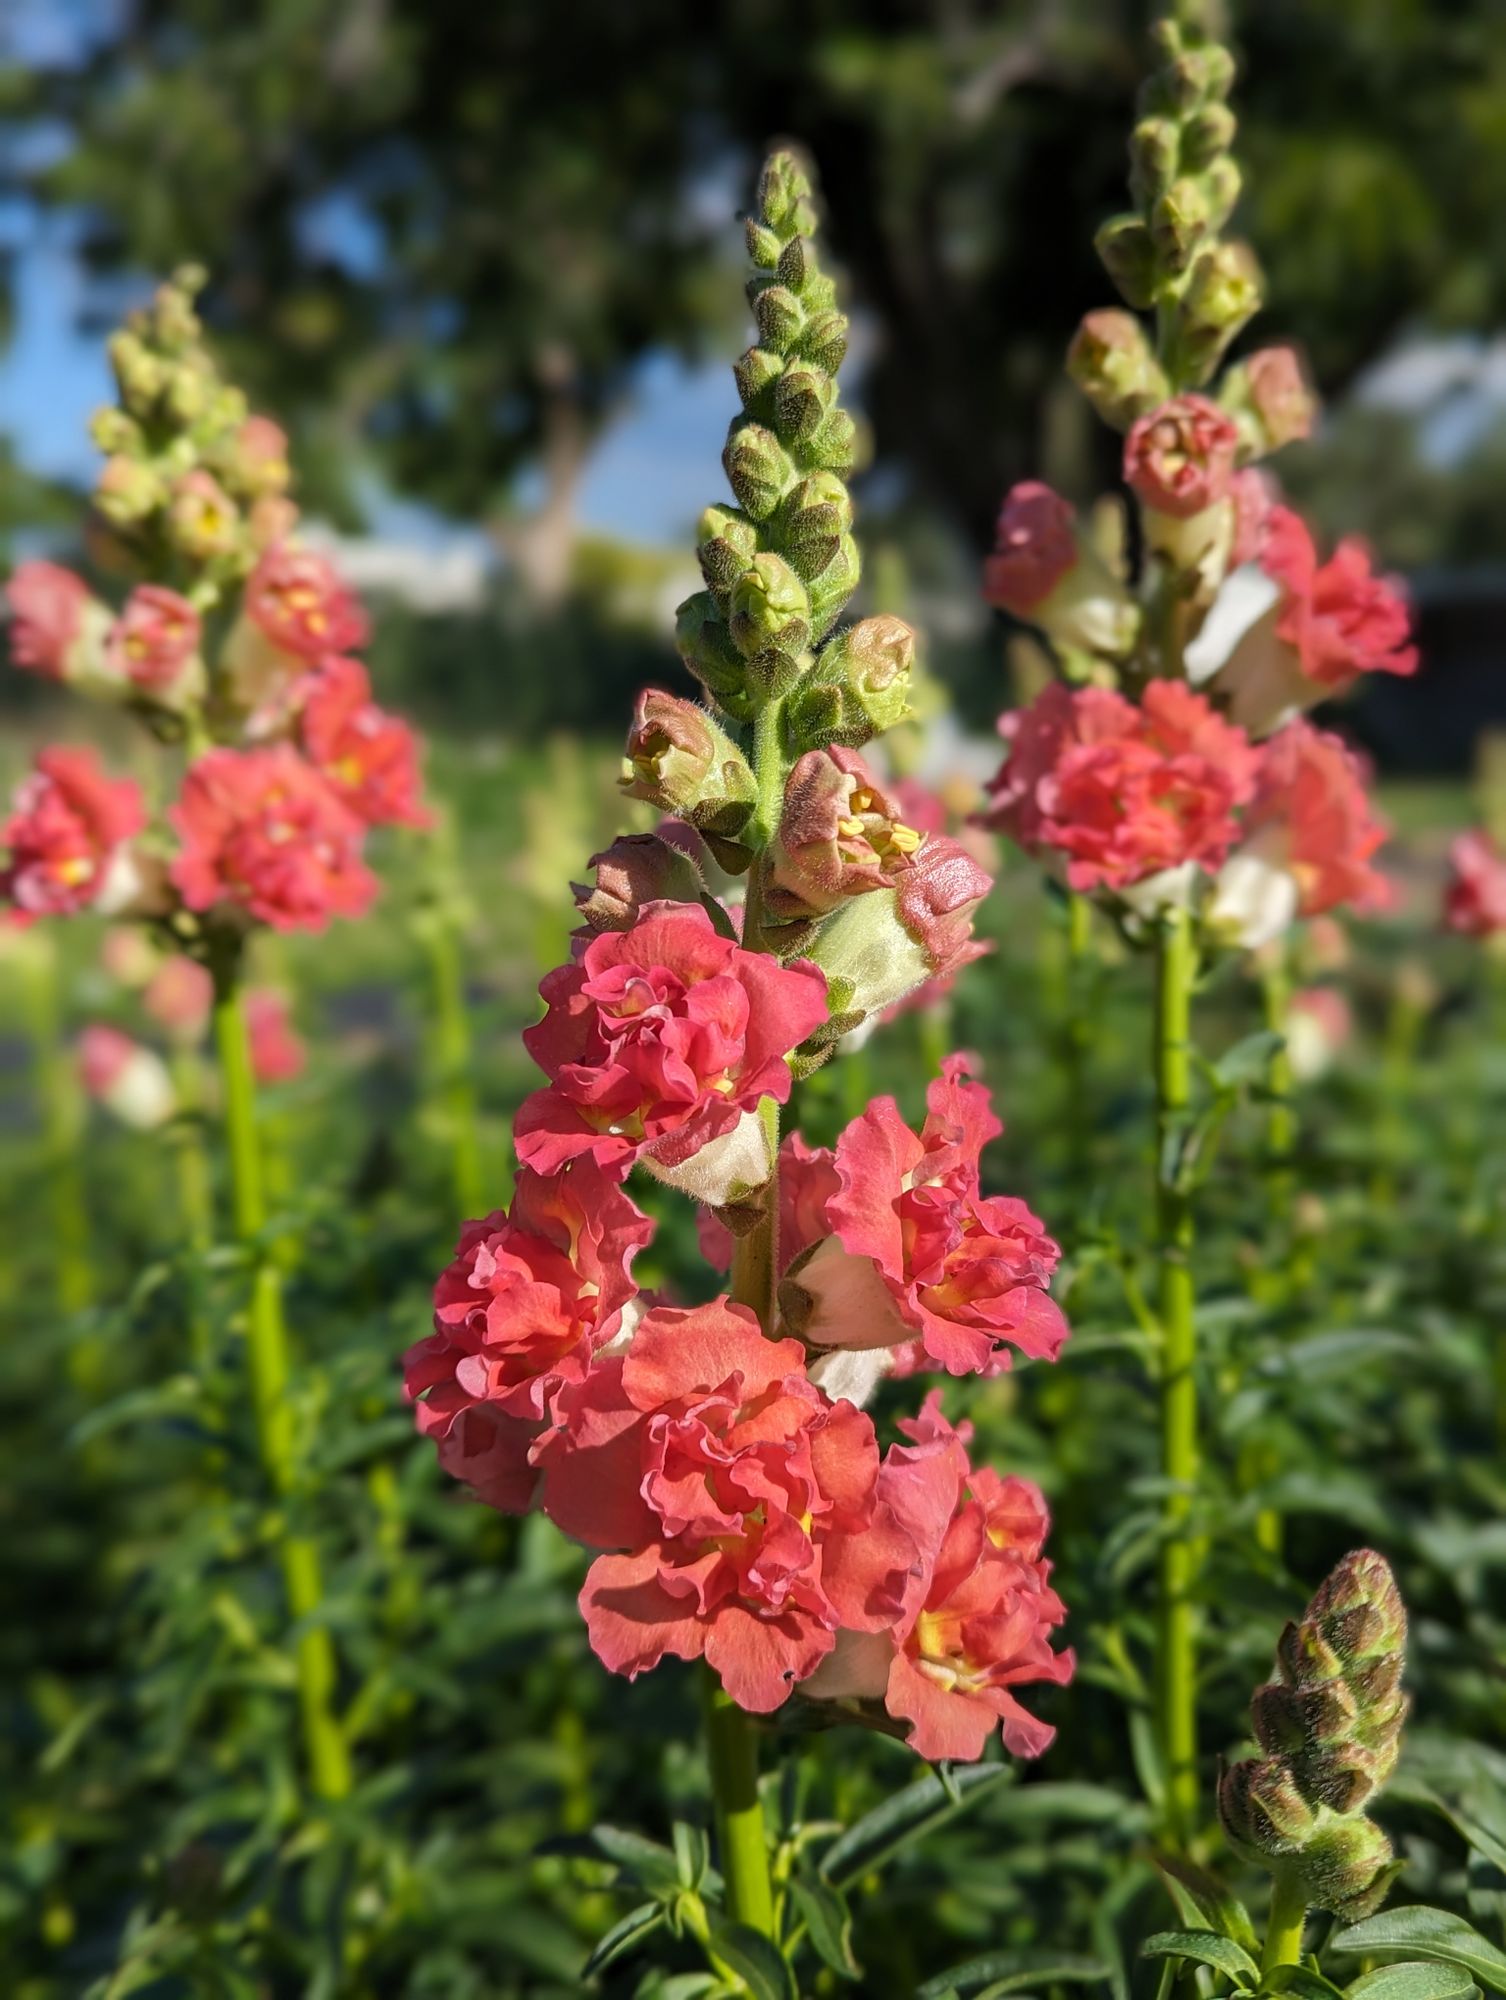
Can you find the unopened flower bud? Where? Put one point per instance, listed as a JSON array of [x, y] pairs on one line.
[[637, 869], [188, 390], [763, 244], [754, 372], [832, 585], [1223, 293], [705, 645], [127, 491], [776, 312], [1221, 183], [1180, 220], [759, 469], [112, 431], [802, 397], [782, 186], [1270, 400], [824, 340], [202, 521], [1129, 256], [1347, 1869], [769, 618], [1042, 572], [726, 543], [171, 316], [860, 688], [1206, 136], [1263, 1812], [1111, 361], [140, 374], [680, 761], [1154, 147], [833, 444]]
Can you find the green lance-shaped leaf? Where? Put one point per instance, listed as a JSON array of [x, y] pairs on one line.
[[781, 563]]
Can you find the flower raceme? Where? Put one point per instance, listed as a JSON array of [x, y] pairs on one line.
[[737, 1503], [529, 1299], [1122, 791], [915, 1256], [659, 1042], [978, 1609], [68, 838], [264, 837]]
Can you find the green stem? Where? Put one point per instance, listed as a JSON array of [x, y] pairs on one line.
[[1078, 1031], [452, 1047], [195, 1200], [267, 1347], [1284, 1926], [1281, 1121], [768, 772], [1176, 966]]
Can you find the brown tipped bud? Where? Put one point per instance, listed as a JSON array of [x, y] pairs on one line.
[[833, 584], [782, 186], [1269, 398], [1180, 221], [1129, 256], [1262, 1810], [1207, 134], [763, 244], [679, 760], [769, 610], [705, 645], [637, 869], [1347, 1869], [755, 372], [1223, 293], [1155, 145], [824, 340], [1111, 361], [833, 444], [802, 397], [758, 468], [726, 543], [778, 313], [860, 688]]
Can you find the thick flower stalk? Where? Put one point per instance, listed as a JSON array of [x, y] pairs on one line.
[[1170, 772], [234, 652], [1329, 1728], [718, 1459]]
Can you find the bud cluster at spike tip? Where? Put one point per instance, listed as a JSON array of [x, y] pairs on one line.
[[238, 643], [1329, 1728], [718, 1460]]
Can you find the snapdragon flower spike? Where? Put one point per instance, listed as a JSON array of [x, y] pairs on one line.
[[1475, 898], [68, 838], [57, 626], [978, 1613], [263, 837], [531, 1296], [369, 758], [1310, 836], [918, 1253], [1122, 792], [1330, 623], [737, 1503], [658, 1043]]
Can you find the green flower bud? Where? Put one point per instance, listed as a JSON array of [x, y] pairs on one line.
[[1155, 145], [128, 490], [833, 444], [1179, 223], [824, 340], [1221, 184], [802, 397], [763, 244], [778, 313], [796, 264], [1223, 293], [189, 387], [140, 374], [1111, 361], [705, 645], [1129, 256], [173, 322], [769, 608], [113, 431], [754, 372], [726, 543], [860, 687], [833, 584], [1347, 1869], [782, 187], [758, 468], [1207, 134]]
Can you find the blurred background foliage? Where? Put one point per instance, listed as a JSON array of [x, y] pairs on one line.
[[445, 241]]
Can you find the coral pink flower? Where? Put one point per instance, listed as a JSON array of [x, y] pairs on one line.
[[1475, 901], [1311, 815], [1283, 405], [738, 1500], [68, 836], [263, 833], [295, 598], [1122, 790], [154, 643], [1035, 546], [179, 997], [1179, 458], [277, 1050], [130, 1081], [1253, 507], [917, 1250], [658, 1040], [979, 1609], [841, 834], [530, 1297], [1340, 618], [368, 756], [51, 615]]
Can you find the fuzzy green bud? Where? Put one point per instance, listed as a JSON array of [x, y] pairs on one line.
[[824, 340], [860, 687], [802, 397], [705, 645], [1155, 147], [1128, 254], [770, 622], [113, 431], [758, 469], [833, 444], [1347, 1869], [777, 312], [140, 374], [726, 543], [128, 490], [1221, 184], [763, 244], [680, 761], [833, 584], [1206, 136], [812, 522], [1111, 361], [756, 372], [782, 188], [1180, 220], [1223, 293]]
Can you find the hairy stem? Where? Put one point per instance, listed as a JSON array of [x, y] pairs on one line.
[[1176, 1691], [267, 1348]]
